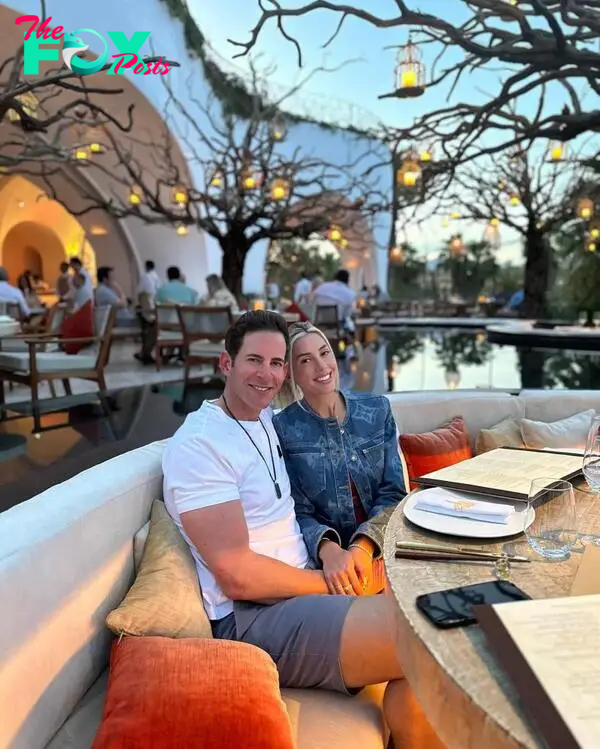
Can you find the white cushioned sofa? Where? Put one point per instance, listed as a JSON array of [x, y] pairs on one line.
[[67, 559]]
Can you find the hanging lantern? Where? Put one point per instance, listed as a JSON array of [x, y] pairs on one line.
[[28, 102], [410, 72], [249, 179], [217, 178], [334, 234], [455, 215], [278, 128], [585, 208], [591, 247], [445, 222], [425, 155], [457, 246], [410, 171], [343, 243], [135, 195], [556, 151], [397, 255], [81, 153], [280, 189], [182, 230], [515, 200], [491, 234], [595, 229], [179, 196]]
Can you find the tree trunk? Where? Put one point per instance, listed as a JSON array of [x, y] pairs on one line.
[[538, 265], [234, 248]]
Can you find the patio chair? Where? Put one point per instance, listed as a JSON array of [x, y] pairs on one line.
[[169, 335], [327, 319], [204, 330], [39, 365]]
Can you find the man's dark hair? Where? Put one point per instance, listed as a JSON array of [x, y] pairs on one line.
[[103, 273], [173, 273], [76, 261], [342, 275], [64, 267], [149, 264], [257, 321]]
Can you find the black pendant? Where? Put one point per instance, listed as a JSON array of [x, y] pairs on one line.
[[277, 490]]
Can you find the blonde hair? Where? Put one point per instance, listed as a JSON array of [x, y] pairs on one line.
[[291, 391]]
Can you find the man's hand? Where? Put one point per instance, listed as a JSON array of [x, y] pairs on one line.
[[339, 570]]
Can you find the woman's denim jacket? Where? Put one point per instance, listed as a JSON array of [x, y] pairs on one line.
[[322, 454]]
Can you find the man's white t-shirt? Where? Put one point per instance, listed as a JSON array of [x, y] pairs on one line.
[[338, 293], [210, 460]]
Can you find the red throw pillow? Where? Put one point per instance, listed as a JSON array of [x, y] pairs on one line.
[[187, 693], [78, 325], [430, 451]]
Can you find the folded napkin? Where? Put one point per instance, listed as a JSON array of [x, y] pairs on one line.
[[444, 502]]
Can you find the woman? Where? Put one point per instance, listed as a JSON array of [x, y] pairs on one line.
[[341, 454], [218, 294]]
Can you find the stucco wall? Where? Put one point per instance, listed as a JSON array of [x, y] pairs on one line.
[[196, 254]]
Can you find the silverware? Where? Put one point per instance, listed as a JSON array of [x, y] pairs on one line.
[[463, 551]]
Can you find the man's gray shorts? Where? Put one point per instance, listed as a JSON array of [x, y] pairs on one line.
[[302, 635]]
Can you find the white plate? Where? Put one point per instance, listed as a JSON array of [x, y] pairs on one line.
[[455, 526]]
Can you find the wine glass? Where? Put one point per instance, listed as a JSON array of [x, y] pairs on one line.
[[553, 532], [591, 456]]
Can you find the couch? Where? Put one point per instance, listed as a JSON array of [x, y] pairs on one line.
[[67, 559]]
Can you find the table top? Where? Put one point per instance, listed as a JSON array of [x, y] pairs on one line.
[[465, 693]]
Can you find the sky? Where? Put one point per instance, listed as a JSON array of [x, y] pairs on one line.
[[354, 89]]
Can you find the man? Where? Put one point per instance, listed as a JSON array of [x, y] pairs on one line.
[[63, 282], [226, 487], [109, 294], [150, 281], [175, 291], [11, 295], [302, 289], [88, 286], [337, 292]]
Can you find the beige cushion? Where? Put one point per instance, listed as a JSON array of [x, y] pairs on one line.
[[139, 542], [165, 599], [46, 362], [505, 434], [320, 719], [569, 432]]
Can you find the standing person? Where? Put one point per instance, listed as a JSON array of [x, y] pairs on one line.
[[150, 281], [63, 282], [227, 489], [175, 291], [273, 294], [88, 285], [302, 289], [341, 453]]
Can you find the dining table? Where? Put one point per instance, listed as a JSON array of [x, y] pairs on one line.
[[461, 685]]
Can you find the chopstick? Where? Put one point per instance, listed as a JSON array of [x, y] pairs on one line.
[[438, 557], [455, 551]]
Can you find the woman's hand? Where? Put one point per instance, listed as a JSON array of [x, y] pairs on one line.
[[363, 565], [339, 570]]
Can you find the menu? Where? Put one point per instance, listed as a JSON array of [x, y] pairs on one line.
[[549, 649], [505, 472]]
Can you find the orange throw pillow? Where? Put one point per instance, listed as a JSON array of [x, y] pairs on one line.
[[78, 325], [430, 451], [189, 693]]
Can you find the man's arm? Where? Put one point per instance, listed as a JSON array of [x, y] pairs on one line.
[[220, 535]]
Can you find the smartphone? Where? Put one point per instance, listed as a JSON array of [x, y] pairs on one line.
[[454, 607]]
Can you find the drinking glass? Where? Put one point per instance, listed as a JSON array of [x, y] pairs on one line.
[[553, 532], [591, 456]]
